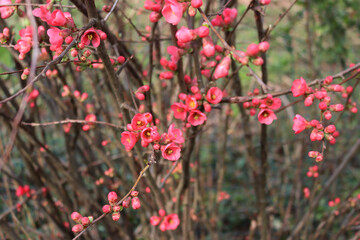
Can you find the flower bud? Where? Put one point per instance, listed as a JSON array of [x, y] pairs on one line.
[[106, 208], [112, 197], [116, 216], [134, 193], [135, 203], [76, 216], [126, 202], [77, 228]]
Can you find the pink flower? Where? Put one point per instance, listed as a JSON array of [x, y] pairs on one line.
[[217, 21], [171, 221], [196, 3], [270, 102], [175, 53], [180, 110], [208, 46], [265, 2], [202, 31], [166, 75], [6, 12], [264, 46], [91, 35], [185, 35], [43, 13], [56, 40], [172, 11], [23, 46], [266, 116], [222, 70], [128, 139], [135, 203], [171, 152], [175, 134], [214, 95], [191, 102], [57, 18], [155, 220], [300, 124], [299, 87], [139, 122], [196, 118], [252, 50], [229, 15], [149, 135]]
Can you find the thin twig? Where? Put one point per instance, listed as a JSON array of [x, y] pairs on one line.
[[272, 27], [111, 11], [118, 203], [33, 124]]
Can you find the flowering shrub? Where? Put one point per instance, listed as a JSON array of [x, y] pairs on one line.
[[102, 114]]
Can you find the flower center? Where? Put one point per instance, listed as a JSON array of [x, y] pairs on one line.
[[90, 36], [169, 151], [213, 96]]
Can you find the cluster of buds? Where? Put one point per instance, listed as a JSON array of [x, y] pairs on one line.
[[313, 171], [335, 202], [185, 35], [171, 66], [5, 36], [82, 222], [77, 94], [33, 95], [51, 73], [139, 94], [300, 88], [265, 106], [25, 74], [226, 19], [142, 127], [306, 192], [109, 172], [316, 155], [252, 54], [115, 209], [24, 190]]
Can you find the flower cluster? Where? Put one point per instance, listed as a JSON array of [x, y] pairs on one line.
[[82, 222], [5, 36], [266, 106], [24, 190], [313, 171], [192, 102], [226, 19], [169, 222], [6, 11], [142, 127], [115, 209], [319, 131], [139, 94], [252, 54]]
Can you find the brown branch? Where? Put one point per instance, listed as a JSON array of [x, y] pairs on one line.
[[35, 5], [71, 121], [111, 11], [242, 99]]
